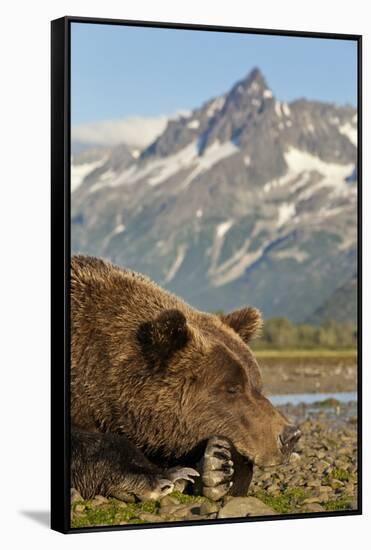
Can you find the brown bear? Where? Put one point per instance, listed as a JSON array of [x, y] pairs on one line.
[[161, 392]]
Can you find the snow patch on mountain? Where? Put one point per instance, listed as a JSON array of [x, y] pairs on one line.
[[216, 105], [223, 228], [211, 156], [350, 132], [159, 170], [286, 211], [286, 109], [277, 108], [333, 174], [181, 253], [120, 228], [181, 113], [235, 266], [80, 171], [294, 253], [156, 171], [162, 169], [193, 124]]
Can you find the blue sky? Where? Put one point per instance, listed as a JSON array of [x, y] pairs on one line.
[[131, 71]]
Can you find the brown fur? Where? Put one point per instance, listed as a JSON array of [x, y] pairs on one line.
[[147, 365]]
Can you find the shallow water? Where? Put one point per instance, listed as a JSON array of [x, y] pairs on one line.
[[310, 398]]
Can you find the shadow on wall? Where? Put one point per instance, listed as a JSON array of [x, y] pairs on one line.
[[42, 517]]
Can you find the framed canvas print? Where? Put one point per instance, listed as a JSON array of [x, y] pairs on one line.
[[206, 215]]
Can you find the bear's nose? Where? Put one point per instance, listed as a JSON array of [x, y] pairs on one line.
[[290, 435]]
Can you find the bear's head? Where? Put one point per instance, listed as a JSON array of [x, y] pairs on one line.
[[205, 381]]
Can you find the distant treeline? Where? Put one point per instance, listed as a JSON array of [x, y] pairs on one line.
[[280, 333]]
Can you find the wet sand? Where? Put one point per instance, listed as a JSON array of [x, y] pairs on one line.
[[284, 375]]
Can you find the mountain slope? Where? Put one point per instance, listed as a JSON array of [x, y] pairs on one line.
[[245, 200], [342, 305]]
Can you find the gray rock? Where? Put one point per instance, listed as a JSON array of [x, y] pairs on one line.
[[314, 483], [336, 484], [207, 508], [98, 500], [238, 507], [151, 518], [295, 458], [180, 510], [312, 500], [170, 509], [168, 500], [187, 511], [313, 507], [75, 496], [273, 489], [80, 508], [127, 497]]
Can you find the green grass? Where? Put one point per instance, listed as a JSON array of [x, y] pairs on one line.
[[339, 474], [329, 402], [341, 503], [111, 513], [304, 353], [285, 502], [289, 500], [188, 499]]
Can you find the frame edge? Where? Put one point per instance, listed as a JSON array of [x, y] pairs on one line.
[[59, 519]]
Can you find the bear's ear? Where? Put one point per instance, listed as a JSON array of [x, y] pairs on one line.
[[160, 338], [247, 322]]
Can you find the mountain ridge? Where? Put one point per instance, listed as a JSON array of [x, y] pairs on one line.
[[247, 199]]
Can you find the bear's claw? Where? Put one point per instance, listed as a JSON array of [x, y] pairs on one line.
[[217, 470], [176, 474], [162, 488], [176, 479]]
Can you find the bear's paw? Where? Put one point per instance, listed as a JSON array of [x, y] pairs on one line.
[[217, 469]]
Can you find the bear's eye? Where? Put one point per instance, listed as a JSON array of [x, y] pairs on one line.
[[233, 389]]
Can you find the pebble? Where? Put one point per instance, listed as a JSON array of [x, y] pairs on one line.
[[238, 507], [179, 511], [311, 500], [98, 500], [313, 507], [314, 483], [151, 518], [75, 496], [328, 444], [80, 508], [207, 508], [168, 500], [170, 508], [295, 457], [336, 484]]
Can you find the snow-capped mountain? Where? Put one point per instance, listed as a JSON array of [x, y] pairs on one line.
[[246, 199]]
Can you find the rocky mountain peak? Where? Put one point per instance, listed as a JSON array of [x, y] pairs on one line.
[[254, 83], [246, 199]]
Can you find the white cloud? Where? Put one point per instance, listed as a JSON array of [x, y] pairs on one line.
[[134, 131]]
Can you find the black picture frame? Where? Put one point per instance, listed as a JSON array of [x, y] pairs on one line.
[[60, 266]]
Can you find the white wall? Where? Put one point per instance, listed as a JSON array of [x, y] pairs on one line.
[[24, 192]]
